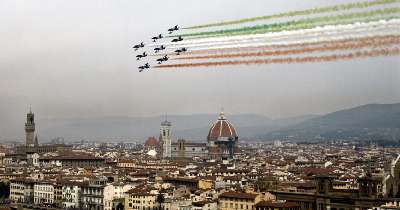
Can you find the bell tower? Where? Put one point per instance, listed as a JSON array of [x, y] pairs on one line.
[[165, 138], [30, 128]]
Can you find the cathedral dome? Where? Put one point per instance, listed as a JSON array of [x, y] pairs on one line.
[[221, 129], [151, 142]]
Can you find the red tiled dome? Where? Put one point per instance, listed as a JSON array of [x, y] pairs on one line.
[[151, 142], [222, 128]]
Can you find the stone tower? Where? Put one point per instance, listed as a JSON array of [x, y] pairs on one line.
[[165, 138], [30, 129]]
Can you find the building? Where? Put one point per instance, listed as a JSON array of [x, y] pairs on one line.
[[92, 194], [114, 193], [71, 192], [238, 200], [140, 199], [73, 160], [151, 144], [205, 205], [43, 192], [391, 181], [222, 142], [17, 190], [27, 151], [22, 190], [165, 138], [184, 149], [326, 197], [222, 139], [125, 163], [58, 198], [30, 129], [273, 205]]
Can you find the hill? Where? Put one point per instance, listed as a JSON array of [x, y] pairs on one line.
[[372, 121]]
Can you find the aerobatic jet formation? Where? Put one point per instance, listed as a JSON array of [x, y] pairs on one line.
[[160, 47]]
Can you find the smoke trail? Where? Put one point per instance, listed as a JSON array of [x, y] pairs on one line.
[[327, 46], [306, 36], [351, 38], [324, 29], [312, 42], [336, 8], [289, 60], [378, 29], [296, 24]]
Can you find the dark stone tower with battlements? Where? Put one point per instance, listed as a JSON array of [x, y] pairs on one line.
[[30, 129]]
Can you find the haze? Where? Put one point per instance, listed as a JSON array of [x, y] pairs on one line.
[[73, 59]]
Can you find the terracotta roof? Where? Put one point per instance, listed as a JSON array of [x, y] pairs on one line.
[[221, 128], [151, 142], [72, 157]]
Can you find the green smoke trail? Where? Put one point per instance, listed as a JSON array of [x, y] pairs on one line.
[[297, 24], [335, 8]]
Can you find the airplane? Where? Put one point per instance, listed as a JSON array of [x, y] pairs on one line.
[[178, 39], [159, 48], [141, 56], [157, 37], [146, 66], [179, 51], [175, 28], [136, 47], [160, 60]]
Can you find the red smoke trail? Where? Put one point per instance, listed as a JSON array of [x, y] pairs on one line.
[[279, 46], [289, 60], [283, 46], [331, 46]]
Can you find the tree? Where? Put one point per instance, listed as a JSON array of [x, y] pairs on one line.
[[159, 200], [4, 190]]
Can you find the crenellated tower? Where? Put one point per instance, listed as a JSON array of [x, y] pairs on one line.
[[30, 129]]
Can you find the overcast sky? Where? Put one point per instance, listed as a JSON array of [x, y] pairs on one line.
[[73, 58]]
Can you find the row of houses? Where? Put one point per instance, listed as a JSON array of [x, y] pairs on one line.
[[89, 194], [99, 194]]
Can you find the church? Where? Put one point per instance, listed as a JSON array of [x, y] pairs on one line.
[[222, 142]]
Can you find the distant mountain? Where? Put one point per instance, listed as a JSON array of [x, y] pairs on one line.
[[372, 121], [190, 127]]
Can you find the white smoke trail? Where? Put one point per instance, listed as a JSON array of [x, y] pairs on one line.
[[308, 39], [316, 30], [394, 27]]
